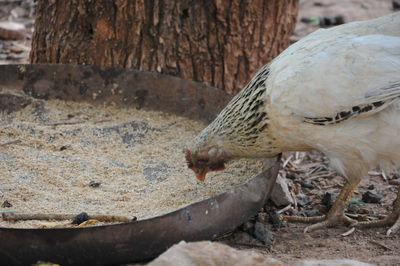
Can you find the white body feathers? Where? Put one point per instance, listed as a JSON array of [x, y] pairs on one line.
[[338, 91]]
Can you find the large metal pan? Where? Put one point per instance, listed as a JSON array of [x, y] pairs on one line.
[[140, 240]]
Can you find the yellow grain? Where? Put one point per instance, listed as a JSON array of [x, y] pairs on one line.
[[136, 155]]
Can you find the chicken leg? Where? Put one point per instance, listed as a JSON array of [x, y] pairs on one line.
[[335, 215], [393, 219]]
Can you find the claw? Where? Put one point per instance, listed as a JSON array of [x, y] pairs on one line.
[[394, 228]]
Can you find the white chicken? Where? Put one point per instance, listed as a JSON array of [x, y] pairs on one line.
[[336, 90]]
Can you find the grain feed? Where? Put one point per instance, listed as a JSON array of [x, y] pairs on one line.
[[135, 155]]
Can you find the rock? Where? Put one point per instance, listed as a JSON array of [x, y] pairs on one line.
[[12, 30], [262, 217], [6, 204], [302, 199], [292, 176], [281, 195], [211, 253], [240, 237], [370, 197], [338, 262], [248, 226], [396, 4], [331, 21], [19, 12], [262, 233], [11, 103], [80, 218], [94, 183], [311, 213], [307, 183], [275, 220], [328, 199]]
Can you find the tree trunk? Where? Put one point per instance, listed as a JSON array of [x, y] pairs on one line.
[[220, 42]]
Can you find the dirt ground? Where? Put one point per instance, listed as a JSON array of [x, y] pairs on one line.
[[308, 176]]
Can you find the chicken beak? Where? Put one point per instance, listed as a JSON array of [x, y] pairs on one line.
[[201, 176]]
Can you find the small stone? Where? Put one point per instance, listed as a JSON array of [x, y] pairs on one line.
[[396, 4], [275, 220], [6, 204], [337, 262], [262, 217], [280, 194], [329, 199], [262, 233], [320, 208], [12, 30], [19, 12], [292, 176], [306, 183], [64, 147], [244, 237], [80, 218], [211, 253], [305, 20], [370, 197], [331, 21], [94, 183], [371, 187], [303, 200], [248, 226], [353, 208], [311, 213]]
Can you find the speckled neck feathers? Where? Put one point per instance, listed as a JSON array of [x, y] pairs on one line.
[[241, 124]]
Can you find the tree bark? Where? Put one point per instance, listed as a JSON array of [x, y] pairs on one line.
[[220, 42]]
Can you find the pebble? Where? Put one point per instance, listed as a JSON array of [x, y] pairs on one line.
[[307, 183], [12, 30], [281, 195], [396, 4], [247, 226], [263, 234], [6, 204], [94, 183], [275, 220], [80, 218], [329, 199], [371, 197], [303, 200], [326, 21], [213, 253], [339, 262]]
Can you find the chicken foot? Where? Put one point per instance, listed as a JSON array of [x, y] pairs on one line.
[[391, 220], [335, 215]]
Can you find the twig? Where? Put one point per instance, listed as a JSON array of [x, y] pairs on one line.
[[380, 245], [321, 175], [287, 161], [394, 182], [10, 216], [384, 175], [102, 121], [294, 199], [65, 122], [224, 235], [349, 232], [250, 245], [10, 142], [284, 209]]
